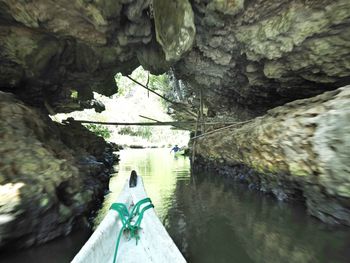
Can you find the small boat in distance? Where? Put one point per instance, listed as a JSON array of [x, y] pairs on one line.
[[154, 243], [178, 151]]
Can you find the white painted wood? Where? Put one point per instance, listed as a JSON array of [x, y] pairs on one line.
[[155, 244]]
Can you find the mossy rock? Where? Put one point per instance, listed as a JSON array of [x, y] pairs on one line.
[[175, 29]]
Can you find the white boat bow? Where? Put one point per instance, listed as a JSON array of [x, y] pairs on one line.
[[154, 245]]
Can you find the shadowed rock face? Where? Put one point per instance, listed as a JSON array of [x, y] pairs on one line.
[[247, 56], [51, 175], [49, 48], [174, 18], [250, 56], [299, 148]]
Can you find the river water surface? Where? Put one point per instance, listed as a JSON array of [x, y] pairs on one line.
[[212, 219]]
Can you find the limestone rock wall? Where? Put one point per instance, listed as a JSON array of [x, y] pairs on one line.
[[251, 56], [247, 56], [49, 48], [299, 148], [51, 175], [174, 18]]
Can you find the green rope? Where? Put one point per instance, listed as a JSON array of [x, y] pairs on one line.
[[126, 217]]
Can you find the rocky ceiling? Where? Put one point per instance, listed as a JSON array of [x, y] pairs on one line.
[[247, 56]]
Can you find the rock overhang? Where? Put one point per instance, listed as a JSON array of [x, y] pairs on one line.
[[246, 56]]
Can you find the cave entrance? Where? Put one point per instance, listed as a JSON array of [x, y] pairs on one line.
[[141, 97]]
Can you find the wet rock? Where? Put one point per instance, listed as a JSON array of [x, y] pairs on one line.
[[229, 7], [175, 29], [49, 49], [51, 175], [251, 56], [152, 58], [299, 147], [245, 56]]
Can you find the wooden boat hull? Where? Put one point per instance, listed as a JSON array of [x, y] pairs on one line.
[[155, 244]]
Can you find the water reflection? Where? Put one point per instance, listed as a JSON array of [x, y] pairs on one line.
[[60, 250], [224, 222], [212, 219], [160, 171]]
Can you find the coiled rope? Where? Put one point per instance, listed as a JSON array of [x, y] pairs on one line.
[[127, 220]]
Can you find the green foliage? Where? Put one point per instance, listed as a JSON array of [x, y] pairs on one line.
[[124, 88], [99, 130], [74, 94], [126, 131], [160, 83], [144, 132]]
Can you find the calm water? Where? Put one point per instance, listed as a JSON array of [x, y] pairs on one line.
[[212, 219]]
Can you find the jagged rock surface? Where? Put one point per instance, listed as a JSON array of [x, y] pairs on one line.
[[250, 56], [247, 56], [51, 175], [302, 146], [175, 29], [49, 48]]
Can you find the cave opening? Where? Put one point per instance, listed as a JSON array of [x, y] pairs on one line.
[[141, 97]]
